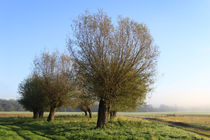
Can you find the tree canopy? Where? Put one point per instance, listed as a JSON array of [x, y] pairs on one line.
[[115, 62], [32, 95], [58, 79]]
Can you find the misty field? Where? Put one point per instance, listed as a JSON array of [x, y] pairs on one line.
[[143, 126]]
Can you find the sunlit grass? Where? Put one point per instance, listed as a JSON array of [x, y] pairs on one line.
[[80, 127]]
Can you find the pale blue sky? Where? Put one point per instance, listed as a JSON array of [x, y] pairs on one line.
[[181, 29]]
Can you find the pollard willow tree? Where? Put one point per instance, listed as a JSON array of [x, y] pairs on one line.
[[86, 102], [85, 99], [114, 61], [32, 95], [57, 72]]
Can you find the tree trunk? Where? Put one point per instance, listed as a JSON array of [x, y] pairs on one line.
[[85, 113], [90, 113], [51, 114], [113, 114], [35, 114], [103, 114], [41, 114]]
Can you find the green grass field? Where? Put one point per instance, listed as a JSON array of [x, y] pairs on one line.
[[19, 126]]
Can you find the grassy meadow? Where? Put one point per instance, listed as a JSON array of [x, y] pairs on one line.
[[142, 126]]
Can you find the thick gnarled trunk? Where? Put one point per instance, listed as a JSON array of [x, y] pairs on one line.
[[51, 116], [35, 114], [90, 113], [85, 113], [113, 114], [103, 114], [41, 114]]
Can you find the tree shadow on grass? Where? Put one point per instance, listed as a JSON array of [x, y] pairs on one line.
[[47, 129]]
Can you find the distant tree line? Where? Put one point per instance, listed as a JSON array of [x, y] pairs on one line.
[[10, 105], [168, 108], [109, 66], [161, 108], [151, 108], [14, 105]]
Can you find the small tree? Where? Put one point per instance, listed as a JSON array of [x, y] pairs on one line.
[[114, 61], [130, 102], [84, 96], [57, 73], [86, 108], [32, 95], [86, 103]]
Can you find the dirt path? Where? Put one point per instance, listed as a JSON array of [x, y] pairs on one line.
[[184, 126]]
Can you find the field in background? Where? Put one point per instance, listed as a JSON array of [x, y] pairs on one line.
[[196, 122], [30, 114], [127, 114], [74, 125]]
